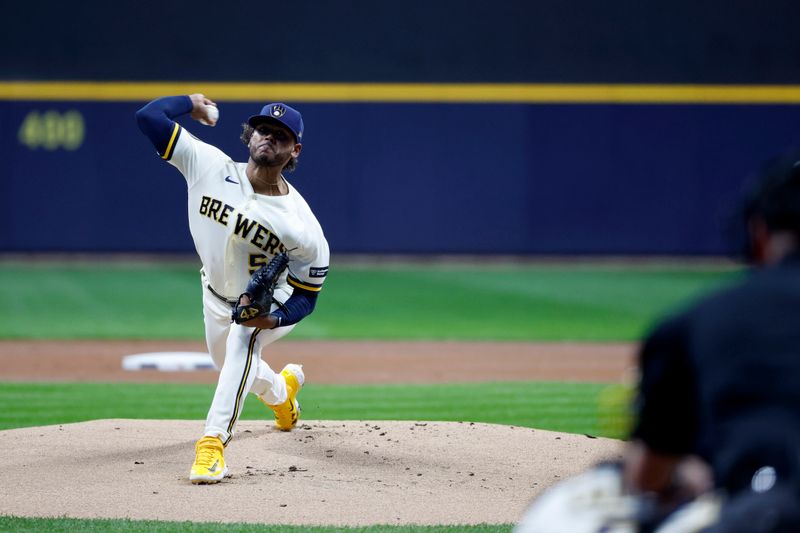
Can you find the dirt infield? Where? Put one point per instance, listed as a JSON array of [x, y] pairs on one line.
[[324, 472], [333, 362]]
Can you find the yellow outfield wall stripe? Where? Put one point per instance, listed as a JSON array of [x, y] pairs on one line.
[[405, 92]]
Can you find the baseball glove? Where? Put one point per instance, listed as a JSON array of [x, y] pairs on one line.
[[259, 290]]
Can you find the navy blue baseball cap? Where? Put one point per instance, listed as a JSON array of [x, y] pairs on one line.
[[282, 114]]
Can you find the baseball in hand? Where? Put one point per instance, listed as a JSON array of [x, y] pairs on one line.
[[212, 116]]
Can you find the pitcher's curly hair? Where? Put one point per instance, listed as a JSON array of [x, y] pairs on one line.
[[247, 133]]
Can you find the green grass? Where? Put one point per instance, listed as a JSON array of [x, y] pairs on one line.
[[69, 525], [568, 407], [565, 302]]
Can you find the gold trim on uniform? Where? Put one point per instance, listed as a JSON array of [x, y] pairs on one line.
[[294, 282], [171, 144]]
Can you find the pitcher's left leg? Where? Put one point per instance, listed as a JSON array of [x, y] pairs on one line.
[[235, 379]]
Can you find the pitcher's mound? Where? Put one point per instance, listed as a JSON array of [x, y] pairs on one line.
[[322, 473]]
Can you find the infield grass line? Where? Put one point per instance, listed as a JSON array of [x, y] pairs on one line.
[[70, 525], [555, 406], [568, 302]]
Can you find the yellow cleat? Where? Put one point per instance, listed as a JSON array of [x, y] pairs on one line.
[[288, 413], [209, 464]]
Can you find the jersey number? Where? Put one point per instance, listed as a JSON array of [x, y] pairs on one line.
[[256, 262]]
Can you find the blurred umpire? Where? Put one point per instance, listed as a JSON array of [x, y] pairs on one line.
[[716, 440], [720, 381]]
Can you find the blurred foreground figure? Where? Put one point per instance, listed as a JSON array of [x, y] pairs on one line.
[[716, 441]]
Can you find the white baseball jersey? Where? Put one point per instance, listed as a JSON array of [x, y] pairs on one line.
[[236, 230]]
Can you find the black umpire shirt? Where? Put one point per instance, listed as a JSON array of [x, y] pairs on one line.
[[722, 379]]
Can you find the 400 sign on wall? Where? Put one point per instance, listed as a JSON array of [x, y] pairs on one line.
[[52, 130]]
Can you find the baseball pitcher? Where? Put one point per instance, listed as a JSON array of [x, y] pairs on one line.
[[263, 253]]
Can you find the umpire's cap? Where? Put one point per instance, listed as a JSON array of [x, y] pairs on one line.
[[283, 115], [775, 196], [772, 196]]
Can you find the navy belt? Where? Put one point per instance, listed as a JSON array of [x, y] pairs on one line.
[[228, 301]]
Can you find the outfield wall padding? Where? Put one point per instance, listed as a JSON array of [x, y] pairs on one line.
[[410, 178]]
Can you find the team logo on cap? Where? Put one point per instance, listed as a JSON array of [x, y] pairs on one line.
[[278, 111]]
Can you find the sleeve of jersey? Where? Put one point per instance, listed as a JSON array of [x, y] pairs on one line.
[[299, 305], [308, 273], [156, 122], [191, 156]]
